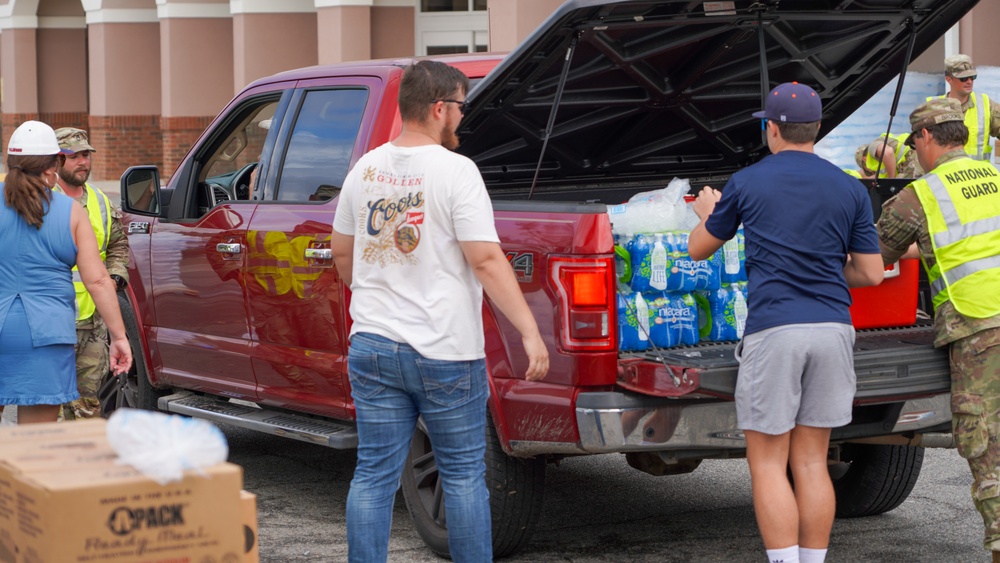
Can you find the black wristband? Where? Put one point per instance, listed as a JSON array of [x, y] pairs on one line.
[[120, 282]]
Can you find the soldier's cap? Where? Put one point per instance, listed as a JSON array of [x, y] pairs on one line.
[[938, 110], [73, 139], [959, 66], [792, 102], [859, 156]]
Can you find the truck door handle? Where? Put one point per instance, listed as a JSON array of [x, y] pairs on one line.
[[319, 254], [229, 248]]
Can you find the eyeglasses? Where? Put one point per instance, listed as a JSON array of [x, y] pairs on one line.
[[461, 104], [967, 78], [763, 124]]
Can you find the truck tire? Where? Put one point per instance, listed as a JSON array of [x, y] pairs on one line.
[[874, 479], [132, 389], [516, 485]]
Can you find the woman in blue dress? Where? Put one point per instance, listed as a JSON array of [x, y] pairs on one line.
[[42, 236]]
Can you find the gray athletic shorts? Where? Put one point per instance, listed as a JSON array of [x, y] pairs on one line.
[[795, 374]]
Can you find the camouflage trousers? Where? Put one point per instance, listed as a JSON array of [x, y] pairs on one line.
[[92, 364], [975, 407]]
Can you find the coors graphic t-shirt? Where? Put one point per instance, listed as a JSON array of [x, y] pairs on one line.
[[408, 208]]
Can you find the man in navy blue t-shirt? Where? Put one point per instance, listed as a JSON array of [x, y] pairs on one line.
[[810, 235]]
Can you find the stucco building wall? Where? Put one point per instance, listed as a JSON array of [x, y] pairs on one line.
[[146, 76]]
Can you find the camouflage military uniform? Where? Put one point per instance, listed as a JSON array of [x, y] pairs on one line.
[[961, 66], [92, 355], [994, 124], [975, 359], [909, 167]]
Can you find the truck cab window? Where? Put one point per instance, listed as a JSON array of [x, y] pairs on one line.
[[321, 144], [227, 172]]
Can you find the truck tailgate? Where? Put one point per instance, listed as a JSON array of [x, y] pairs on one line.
[[890, 364]]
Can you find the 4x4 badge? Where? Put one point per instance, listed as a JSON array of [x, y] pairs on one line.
[[523, 264]]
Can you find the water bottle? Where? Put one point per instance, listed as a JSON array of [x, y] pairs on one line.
[[687, 275], [633, 322], [721, 306], [641, 267], [658, 264], [734, 259], [740, 309], [684, 311], [660, 330], [728, 307]]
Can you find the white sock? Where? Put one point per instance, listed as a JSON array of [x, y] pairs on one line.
[[784, 555], [809, 555]]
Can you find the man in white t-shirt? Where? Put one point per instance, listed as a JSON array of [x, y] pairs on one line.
[[414, 239]]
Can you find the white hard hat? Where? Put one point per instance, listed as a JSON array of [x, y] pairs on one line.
[[34, 138]]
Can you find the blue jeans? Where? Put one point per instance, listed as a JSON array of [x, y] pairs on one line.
[[392, 385]]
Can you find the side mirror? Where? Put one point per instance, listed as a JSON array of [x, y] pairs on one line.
[[140, 189]]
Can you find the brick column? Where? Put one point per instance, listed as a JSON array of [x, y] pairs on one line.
[[511, 21], [272, 37], [345, 30], [393, 29], [123, 141], [179, 135], [124, 51], [196, 46], [18, 56], [62, 70], [10, 121]]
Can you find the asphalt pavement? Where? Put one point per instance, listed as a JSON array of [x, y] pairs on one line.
[[598, 509]]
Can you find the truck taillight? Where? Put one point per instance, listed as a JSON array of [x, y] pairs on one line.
[[586, 298]]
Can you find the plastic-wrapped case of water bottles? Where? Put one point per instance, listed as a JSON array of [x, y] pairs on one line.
[[665, 298]]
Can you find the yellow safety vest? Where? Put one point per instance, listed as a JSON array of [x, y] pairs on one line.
[[871, 162], [99, 213], [851, 172], [961, 200], [977, 119]]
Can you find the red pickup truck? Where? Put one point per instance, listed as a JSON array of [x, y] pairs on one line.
[[236, 313]]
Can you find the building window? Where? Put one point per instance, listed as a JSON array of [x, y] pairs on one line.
[[452, 26], [452, 5]]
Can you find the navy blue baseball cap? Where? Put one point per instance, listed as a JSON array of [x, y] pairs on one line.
[[792, 102]]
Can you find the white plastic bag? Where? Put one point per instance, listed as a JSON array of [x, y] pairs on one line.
[[654, 211], [162, 446]]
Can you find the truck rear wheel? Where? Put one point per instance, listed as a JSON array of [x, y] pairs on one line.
[[132, 389], [516, 485], [874, 479]]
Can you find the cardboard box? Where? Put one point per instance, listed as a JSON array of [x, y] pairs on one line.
[[65, 500], [891, 303], [248, 504], [57, 453], [117, 514], [38, 447], [52, 431]]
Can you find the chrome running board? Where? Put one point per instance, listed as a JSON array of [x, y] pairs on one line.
[[337, 435]]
